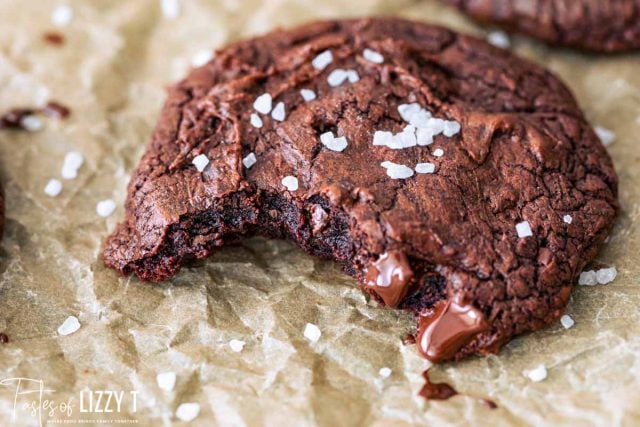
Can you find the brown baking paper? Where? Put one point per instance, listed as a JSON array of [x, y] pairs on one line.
[[112, 70]]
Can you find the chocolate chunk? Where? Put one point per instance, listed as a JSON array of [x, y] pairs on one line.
[[451, 325], [477, 249], [596, 25], [389, 277]]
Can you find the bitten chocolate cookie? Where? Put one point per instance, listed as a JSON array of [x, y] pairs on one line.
[[598, 25], [449, 177]]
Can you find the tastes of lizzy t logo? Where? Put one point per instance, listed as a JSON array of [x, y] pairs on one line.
[[32, 401]]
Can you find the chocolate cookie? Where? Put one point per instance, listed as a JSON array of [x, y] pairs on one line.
[[449, 177], [598, 25]]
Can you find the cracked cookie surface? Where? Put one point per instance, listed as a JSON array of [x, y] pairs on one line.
[[483, 244], [597, 25]]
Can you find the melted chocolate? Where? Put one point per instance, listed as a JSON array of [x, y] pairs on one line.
[[443, 391], [390, 277], [53, 38], [436, 391], [12, 119], [4, 338], [489, 403], [448, 328], [56, 110]]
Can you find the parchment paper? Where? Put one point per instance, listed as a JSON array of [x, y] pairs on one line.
[[111, 71]]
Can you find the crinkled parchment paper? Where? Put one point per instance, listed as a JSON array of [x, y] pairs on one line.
[[111, 71]]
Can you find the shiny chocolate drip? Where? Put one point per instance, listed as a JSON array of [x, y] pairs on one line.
[[448, 328], [390, 277], [436, 391], [443, 391]]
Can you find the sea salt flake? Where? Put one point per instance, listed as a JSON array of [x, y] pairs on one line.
[[31, 123], [372, 56], [337, 77], [588, 278], [262, 104], [53, 187], [566, 321], [201, 58], [312, 332], [396, 171], [308, 94], [568, 219], [70, 325], [424, 137], [384, 372], [420, 119], [73, 160], [438, 152], [404, 139], [606, 275], [61, 15], [338, 144], [188, 411], [425, 167], [278, 112], [321, 61], [408, 137], [353, 76], [381, 137], [524, 229], [499, 39], [407, 111], [236, 345], [607, 136], [451, 127], [166, 380], [326, 138], [104, 208], [200, 162], [249, 160], [170, 8], [290, 182], [396, 142], [536, 374], [436, 125], [332, 143], [256, 121]]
